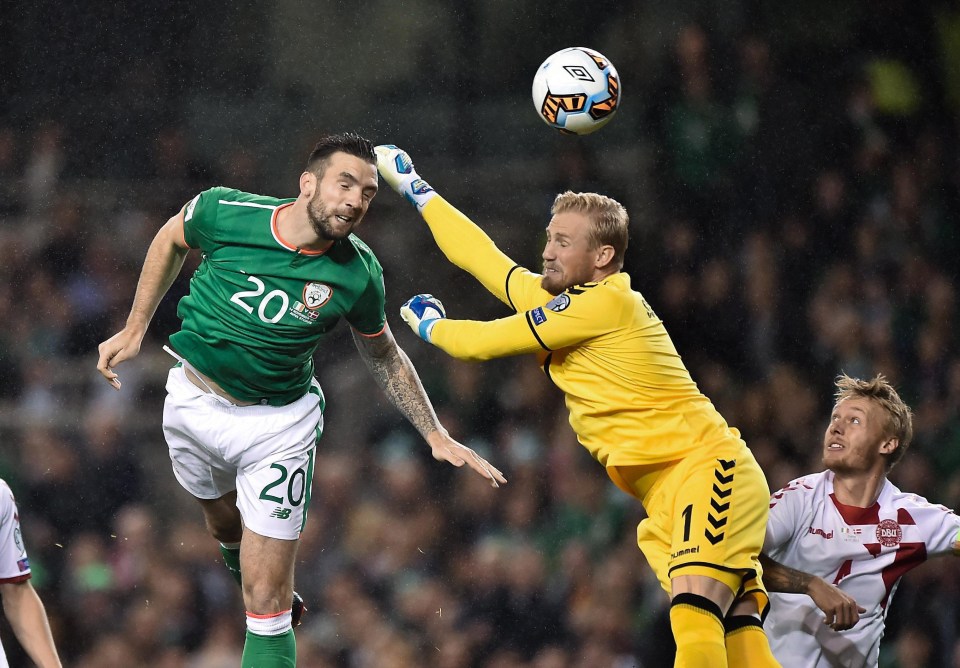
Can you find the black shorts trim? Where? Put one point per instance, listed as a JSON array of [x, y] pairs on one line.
[[698, 601], [737, 622]]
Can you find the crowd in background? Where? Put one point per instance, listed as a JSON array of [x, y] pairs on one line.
[[795, 216]]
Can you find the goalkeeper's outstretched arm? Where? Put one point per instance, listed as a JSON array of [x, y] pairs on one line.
[[469, 339], [458, 237]]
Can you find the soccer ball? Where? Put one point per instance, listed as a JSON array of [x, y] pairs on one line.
[[576, 90]]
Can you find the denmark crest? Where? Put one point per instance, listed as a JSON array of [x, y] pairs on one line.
[[889, 533], [316, 295]]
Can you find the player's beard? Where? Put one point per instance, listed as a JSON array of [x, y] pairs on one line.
[[551, 287], [552, 282], [324, 223]]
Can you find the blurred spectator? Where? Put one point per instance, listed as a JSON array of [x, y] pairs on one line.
[[11, 197], [702, 144], [45, 163], [53, 484], [111, 472], [769, 112]]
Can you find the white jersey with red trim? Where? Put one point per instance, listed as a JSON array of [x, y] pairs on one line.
[[864, 551], [14, 565]]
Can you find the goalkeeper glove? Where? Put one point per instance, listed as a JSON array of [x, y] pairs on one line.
[[396, 168], [422, 312]]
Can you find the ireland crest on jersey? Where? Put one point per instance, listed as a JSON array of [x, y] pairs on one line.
[[316, 295]]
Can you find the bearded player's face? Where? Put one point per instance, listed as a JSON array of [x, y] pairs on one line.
[[569, 255], [342, 196]]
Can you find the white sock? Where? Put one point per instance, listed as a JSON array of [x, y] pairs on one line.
[[269, 625]]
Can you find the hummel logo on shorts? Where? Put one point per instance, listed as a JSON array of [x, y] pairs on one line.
[[281, 513]]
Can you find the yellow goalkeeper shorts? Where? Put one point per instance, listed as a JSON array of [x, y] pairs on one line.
[[706, 515]]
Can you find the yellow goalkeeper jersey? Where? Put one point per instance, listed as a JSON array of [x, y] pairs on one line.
[[631, 399]]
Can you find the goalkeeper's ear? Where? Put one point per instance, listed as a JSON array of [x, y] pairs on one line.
[[604, 257]]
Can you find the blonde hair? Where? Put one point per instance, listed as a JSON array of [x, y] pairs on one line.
[[610, 222], [899, 416]]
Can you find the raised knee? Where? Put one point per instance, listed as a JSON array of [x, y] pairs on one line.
[[223, 522], [225, 531], [263, 598]]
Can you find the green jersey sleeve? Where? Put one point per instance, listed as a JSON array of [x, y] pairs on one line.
[[200, 218], [368, 315]]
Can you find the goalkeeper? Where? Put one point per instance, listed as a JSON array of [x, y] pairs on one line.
[[632, 404]]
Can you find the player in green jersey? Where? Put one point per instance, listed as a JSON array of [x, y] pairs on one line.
[[243, 411]]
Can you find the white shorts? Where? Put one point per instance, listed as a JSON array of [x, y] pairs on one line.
[[266, 453]]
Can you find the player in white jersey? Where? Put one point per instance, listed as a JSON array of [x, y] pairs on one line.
[[22, 606], [839, 541]]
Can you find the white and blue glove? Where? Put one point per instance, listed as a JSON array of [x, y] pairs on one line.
[[422, 312], [396, 168]]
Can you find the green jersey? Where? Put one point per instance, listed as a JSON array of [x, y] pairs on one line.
[[258, 307]]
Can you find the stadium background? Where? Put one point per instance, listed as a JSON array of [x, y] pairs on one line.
[[793, 181]]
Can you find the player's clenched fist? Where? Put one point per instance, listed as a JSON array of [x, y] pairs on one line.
[[421, 313], [396, 168], [841, 611]]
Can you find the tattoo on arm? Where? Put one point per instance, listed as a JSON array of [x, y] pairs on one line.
[[395, 374], [784, 579]]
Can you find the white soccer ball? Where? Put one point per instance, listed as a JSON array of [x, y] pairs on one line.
[[576, 90]]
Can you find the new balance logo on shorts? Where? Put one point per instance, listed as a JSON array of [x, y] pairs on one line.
[[281, 513]]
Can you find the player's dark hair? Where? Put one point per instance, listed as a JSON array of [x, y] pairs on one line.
[[346, 142], [899, 416], [609, 217]]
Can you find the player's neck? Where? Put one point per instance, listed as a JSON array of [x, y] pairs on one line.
[[601, 274], [293, 225], [859, 489]]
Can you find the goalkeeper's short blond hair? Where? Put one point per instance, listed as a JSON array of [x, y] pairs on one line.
[[899, 416], [609, 217]]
